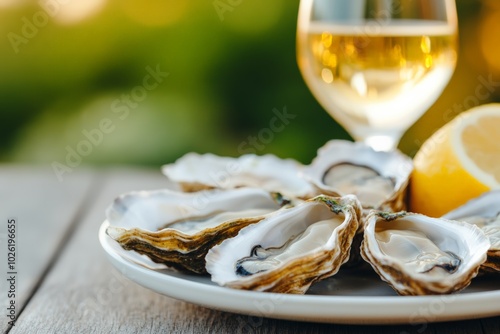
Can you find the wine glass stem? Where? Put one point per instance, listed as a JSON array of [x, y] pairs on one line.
[[382, 142]]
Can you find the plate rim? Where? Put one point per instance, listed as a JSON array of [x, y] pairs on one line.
[[413, 310]]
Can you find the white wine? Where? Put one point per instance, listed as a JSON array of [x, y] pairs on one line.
[[377, 77]]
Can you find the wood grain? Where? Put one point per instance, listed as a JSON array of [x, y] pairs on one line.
[[25, 194], [83, 293]]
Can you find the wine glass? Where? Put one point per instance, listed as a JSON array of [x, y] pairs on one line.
[[377, 65]]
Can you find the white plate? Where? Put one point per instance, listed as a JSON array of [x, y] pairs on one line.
[[350, 297]]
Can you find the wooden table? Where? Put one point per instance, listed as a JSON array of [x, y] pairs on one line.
[[64, 284]]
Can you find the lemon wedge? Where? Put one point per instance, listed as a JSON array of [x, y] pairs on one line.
[[458, 162]]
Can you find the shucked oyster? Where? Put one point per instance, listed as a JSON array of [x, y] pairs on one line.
[[204, 171], [290, 249], [484, 212], [419, 255], [378, 179], [178, 229]]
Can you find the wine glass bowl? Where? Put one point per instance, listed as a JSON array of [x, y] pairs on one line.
[[377, 65]]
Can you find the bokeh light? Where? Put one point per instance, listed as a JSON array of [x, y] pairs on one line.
[[228, 70], [74, 11], [11, 3]]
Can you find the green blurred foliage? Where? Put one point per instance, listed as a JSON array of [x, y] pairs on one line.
[[228, 73]]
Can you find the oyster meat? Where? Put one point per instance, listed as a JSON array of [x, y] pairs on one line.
[[177, 229], [419, 255], [378, 179], [289, 249], [195, 172], [484, 212]]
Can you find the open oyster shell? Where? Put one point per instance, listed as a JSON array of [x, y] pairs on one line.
[[290, 249], [178, 229], [484, 212], [419, 255], [378, 179], [195, 172]]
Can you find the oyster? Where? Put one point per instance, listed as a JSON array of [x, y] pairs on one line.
[[484, 212], [195, 172], [419, 255], [290, 249], [178, 229], [378, 179]]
